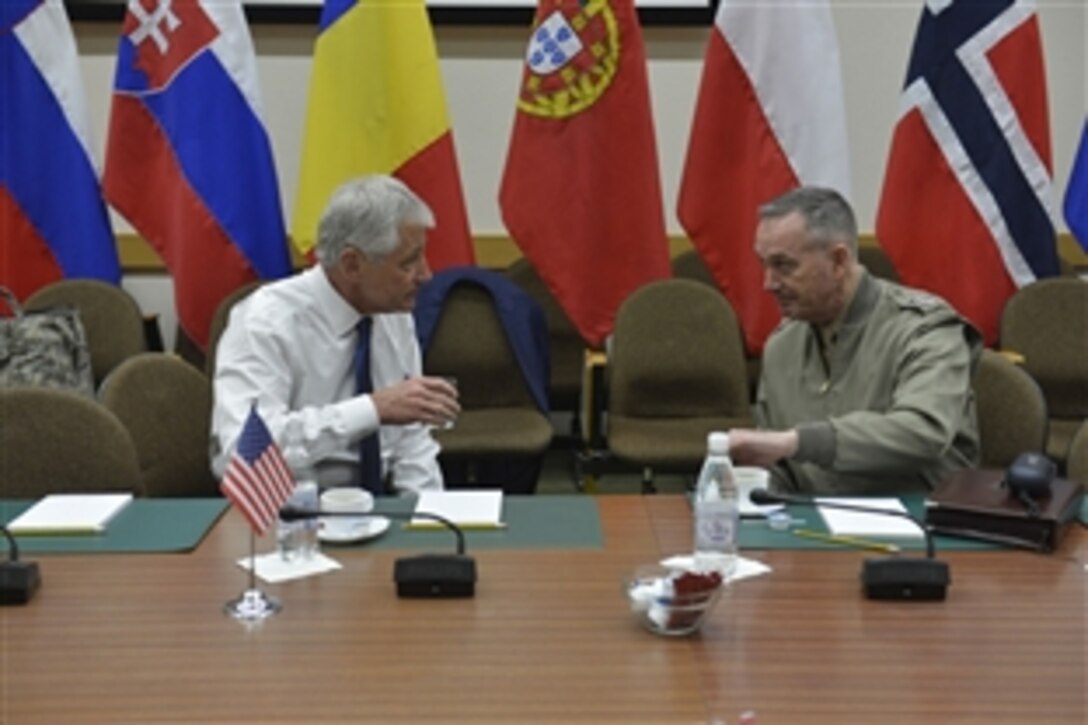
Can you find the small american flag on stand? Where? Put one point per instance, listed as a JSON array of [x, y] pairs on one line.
[[257, 479]]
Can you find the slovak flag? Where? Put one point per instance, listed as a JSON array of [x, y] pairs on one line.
[[967, 210], [188, 161], [53, 221]]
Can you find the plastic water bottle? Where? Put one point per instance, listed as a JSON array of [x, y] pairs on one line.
[[298, 539], [717, 509]]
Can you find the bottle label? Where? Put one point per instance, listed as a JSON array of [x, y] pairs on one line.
[[715, 526]]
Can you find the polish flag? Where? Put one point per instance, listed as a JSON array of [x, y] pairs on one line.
[[770, 117]]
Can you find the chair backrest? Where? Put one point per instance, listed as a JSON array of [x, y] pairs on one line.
[[1076, 461], [166, 405], [56, 441], [111, 318], [469, 343], [1047, 323], [877, 261], [220, 320], [677, 352], [565, 344], [1012, 413], [689, 264]]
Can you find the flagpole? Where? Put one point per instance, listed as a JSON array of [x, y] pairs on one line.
[[256, 472], [252, 560], [252, 605]]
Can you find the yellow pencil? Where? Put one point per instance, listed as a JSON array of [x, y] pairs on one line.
[[429, 526], [847, 541]]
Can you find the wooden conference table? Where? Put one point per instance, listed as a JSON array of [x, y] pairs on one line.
[[548, 637]]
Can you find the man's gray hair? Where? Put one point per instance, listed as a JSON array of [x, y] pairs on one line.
[[367, 213], [828, 216]]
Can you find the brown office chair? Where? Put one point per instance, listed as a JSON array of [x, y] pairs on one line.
[[111, 318], [565, 344], [1012, 413], [690, 265], [1047, 323], [876, 260], [499, 421], [220, 320], [166, 405], [1076, 460], [56, 441], [676, 371]]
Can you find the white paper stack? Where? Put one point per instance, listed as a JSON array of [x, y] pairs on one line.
[[70, 514], [467, 509], [859, 523]]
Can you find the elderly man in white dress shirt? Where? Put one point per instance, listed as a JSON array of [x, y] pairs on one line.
[[290, 347]]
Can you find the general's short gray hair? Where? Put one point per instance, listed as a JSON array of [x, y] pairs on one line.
[[367, 213], [828, 216]]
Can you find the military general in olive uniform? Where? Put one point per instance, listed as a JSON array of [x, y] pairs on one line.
[[866, 385]]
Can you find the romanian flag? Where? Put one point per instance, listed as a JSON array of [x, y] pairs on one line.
[[377, 105], [580, 192], [53, 220]]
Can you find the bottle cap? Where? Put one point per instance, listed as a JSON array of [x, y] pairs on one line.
[[718, 443]]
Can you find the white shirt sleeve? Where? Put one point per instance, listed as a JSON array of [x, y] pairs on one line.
[[253, 365], [284, 350]]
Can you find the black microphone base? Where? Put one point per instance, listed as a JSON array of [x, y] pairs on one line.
[[905, 579], [433, 576], [18, 581]]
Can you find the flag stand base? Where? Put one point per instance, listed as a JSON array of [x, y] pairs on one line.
[[252, 605]]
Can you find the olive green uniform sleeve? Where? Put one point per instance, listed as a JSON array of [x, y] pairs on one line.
[[891, 407]]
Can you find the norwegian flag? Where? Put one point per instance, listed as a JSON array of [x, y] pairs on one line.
[[967, 207], [257, 479]]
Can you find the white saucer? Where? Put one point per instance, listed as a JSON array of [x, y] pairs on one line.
[[369, 528], [751, 510]]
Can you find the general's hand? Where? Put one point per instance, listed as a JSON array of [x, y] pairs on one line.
[[417, 400], [761, 447]]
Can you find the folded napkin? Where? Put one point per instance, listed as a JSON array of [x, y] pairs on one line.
[[743, 569], [273, 569]]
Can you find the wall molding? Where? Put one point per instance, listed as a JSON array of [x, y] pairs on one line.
[[499, 251]]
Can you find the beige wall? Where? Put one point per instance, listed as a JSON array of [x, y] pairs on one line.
[[482, 68]]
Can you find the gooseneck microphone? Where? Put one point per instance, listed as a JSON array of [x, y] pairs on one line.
[[421, 576], [18, 579], [902, 579]]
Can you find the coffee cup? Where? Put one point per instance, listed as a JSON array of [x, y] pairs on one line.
[[749, 478], [347, 500]]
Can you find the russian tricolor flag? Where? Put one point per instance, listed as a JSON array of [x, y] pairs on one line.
[[188, 161], [53, 222]]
